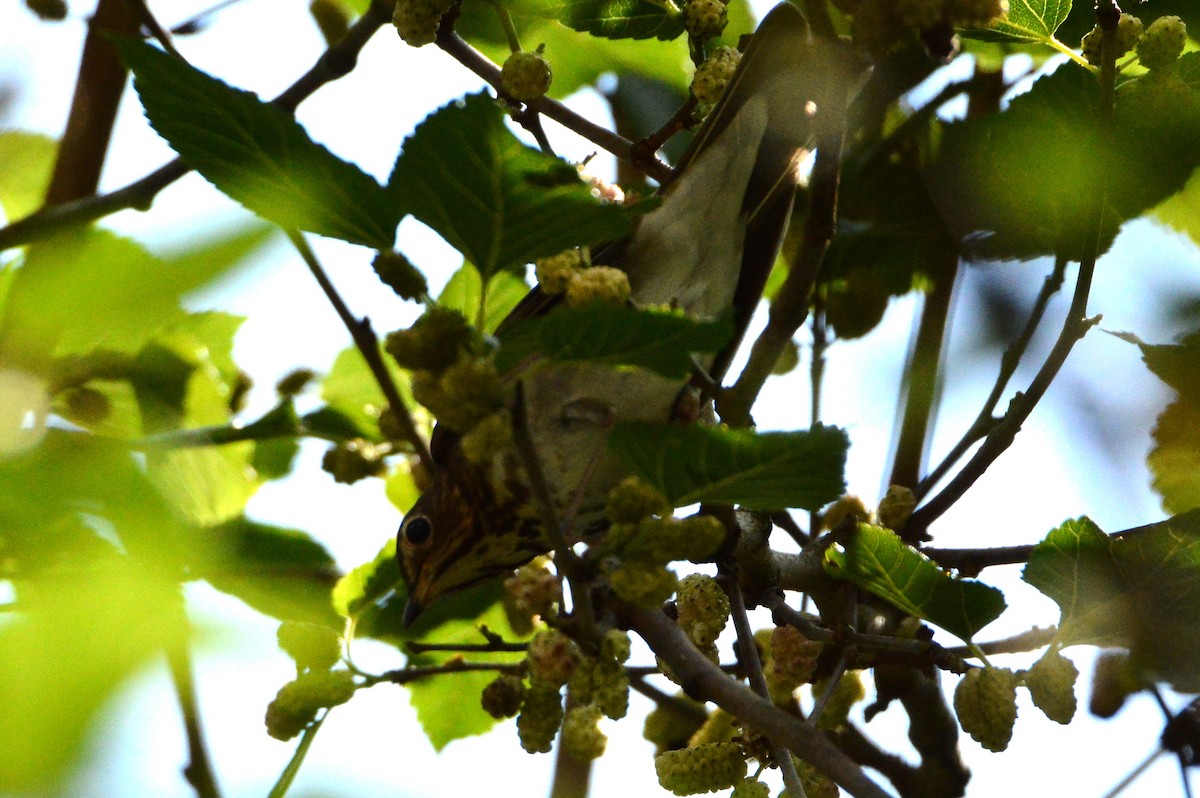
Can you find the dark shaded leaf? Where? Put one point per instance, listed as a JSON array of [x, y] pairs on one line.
[[768, 470], [615, 335]]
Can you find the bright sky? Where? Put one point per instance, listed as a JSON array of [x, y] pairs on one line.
[[1063, 464]]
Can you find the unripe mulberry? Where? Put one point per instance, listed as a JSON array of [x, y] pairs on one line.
[[846, 505], [791, 661], [632, 500], [526, 76], [750, 788], [704, 19], [533, 589], [1162, 43], [397, 272], [417, 20], [714, 74], [986, 704], [581, 733], [896, 507], [540, 717], [645, 585], [1113, 681], [296, 704], [606, 284], [670, 726], [1051, 684], [503, 696], [555, 272], [434, 343], [552, 657], [703, 768], [703, 609], [313, 646], [350, 461]]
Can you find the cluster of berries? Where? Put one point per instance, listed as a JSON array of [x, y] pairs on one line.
[[986, 698], [597, 686], [572, 274], [315, 650], [644, 538]]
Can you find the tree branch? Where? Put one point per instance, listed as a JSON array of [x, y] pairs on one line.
[[703, 679]]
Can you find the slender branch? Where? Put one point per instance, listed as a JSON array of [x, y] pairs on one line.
[[1076, 324], [334, 63], [416, 647], [565, 559], [199, 770], [790, 306], [922, 376], [98, 91], [280, 788], [619, 146], [368, 345], [985, 421], [748, 654], [703, 679], [406, 675]]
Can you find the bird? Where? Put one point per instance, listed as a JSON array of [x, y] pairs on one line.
[[706, 250]]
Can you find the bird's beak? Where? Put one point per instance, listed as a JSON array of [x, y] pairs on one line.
[[412, 611]]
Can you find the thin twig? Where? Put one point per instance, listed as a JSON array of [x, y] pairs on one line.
[[368, 345], [160, 34], [334, 63], [1077, 322], [985, 420], [748, 654], [198, 771]]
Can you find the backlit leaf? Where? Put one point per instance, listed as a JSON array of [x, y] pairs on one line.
[[877, 560]]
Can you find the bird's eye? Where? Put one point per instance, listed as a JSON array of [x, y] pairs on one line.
[[418, 530]]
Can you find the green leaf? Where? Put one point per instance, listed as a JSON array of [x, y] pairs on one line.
[[500, 203], [448, 706], [1140, 590], [1027, 21], [89, 289], [352, 393], [28, 160], [877, 560], [280, 572], [367, 583], [80, 635], [619, 19], [615, 335], [208, 485], [757, 470], [257, 154], [1023, 182], [464, 293], [1175, 458]]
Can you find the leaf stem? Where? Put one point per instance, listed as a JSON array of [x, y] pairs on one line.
[[368, 345], [506, 24], [280, 788]]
